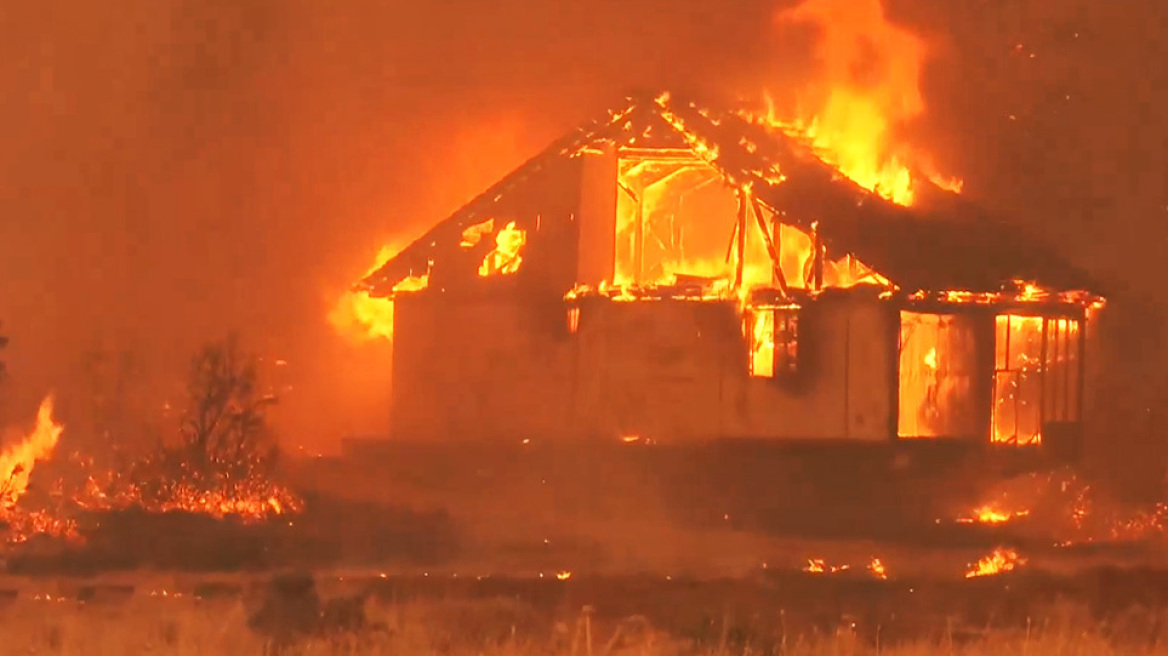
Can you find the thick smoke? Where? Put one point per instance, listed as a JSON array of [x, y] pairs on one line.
[[176, 170]]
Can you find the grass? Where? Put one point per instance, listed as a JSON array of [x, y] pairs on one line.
[[187, 626]]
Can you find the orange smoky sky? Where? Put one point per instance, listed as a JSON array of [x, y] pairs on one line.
[[173, 170]]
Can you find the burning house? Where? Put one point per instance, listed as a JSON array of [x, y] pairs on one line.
[[670, 272]]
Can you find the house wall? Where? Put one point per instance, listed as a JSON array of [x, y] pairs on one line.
[[666, 370], [478, 368]]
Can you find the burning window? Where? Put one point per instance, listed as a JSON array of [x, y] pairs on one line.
[[937, 370], [677, 216], [761, 329], [573, 320], [505, 258], [786, 342], [773, 336], [1036, 376], [674, 216]]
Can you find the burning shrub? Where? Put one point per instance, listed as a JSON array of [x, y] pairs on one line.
[[222, 463], [225, 457]]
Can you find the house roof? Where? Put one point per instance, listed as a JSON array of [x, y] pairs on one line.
[[941, 243]]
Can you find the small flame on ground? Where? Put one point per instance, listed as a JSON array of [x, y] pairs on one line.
[[1001, 560], [876, 567], [563, 576], [819, 566], [989, 514]]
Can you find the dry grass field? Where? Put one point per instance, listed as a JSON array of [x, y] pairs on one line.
[[189, 626]]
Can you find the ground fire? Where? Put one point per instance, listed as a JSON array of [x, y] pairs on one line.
[[1001, 560], [70, 488]]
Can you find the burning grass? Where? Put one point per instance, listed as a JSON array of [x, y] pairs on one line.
[[221, 465]]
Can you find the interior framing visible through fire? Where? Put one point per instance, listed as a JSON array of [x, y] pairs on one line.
[[673, 272]]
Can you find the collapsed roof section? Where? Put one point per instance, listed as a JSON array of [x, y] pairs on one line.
[[941, 244]]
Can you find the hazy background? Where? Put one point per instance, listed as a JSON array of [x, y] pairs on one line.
[[173, 170]]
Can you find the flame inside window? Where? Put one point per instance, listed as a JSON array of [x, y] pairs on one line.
[[937, 370], [676, 215], [761, 324], [506, 256], [1036, 376], [773, 337]]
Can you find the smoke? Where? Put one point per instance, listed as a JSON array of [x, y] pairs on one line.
[[176, 170]]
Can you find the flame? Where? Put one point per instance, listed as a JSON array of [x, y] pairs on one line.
[[563, 576], [989, 514], [876, 567], [931, 358], [17, 460], [505, 258], [360, 316], [1001, 560], [819, 566], [870, 89]]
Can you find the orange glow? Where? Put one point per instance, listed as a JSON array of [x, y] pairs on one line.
[[505, 258], [17, 460], [1001, 560], [361, 317], [870, 88]]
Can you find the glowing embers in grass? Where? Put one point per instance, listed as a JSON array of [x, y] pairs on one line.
[[937, 370], [819, 566], [992, 514], [1001, 560], [875, 568], [507, 256]]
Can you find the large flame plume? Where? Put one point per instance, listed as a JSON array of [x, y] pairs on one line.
[[17, 460], [870, 88]]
